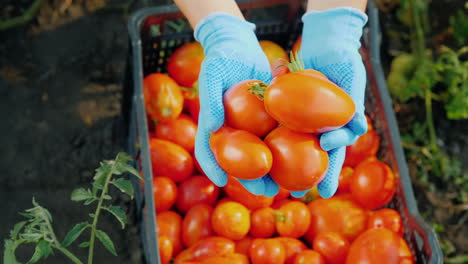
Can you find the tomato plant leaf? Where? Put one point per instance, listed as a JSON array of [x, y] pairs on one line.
[[81, 194], [45, 248], [84, 245], [38, 254], [90, 201], [118, 213], [106, 241], [16, 229], [31, 237], [9, 252], [74, 233], [124, 186]]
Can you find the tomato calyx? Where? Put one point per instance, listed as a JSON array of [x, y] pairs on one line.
[[280, 217], [193, 92], [296, 65], [258, 89]]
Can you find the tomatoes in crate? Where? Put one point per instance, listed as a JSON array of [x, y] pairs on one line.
[[332, 246], [169, 224], [386, 218], [197, 224], [163, 97], [185, 63], [165, 193], [181, 131], [231, 220], [195, 190], [267, 251], [206, 248], [292, 247], [263, 224], [293, 219], [309, 257], [171, 160], [165, 249]]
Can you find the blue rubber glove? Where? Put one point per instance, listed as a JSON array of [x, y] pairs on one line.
[[232, 54], [330, 44]]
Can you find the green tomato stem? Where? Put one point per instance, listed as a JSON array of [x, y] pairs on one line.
[[68, 254]]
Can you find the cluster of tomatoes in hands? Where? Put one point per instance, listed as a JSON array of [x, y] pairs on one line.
[[199, 222]]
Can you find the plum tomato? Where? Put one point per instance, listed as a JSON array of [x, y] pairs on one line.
[[309, 257], [267, 251], [205, 248], [377, 245], [163, 97], [169, 224], [165, 193], [293, 219], [185, 63], [332, 246], [238, 193], [165, 249], [366, 146], [192, 101], [197, 224], [263, 222], [276, 55], [195, 190], [181, 131], [231, 220], [386, 218], [292, 247], [170, 160], [344, 179]]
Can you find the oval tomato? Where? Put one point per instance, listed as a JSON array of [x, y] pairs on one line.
[[377, 245], [228, 259], [185, 63], [282, 194], [243, 110], [195, 190], [299, 162], [240, 153], [192, 101], [170, 160], [344, 180], [372, 184], [293, 219], [386, 218], [205, 248], [165, 193], [165, 249], [231, 220], [332, 246], [163, 97], [243, 245], [309, 257], [197, 224], [276, 55], [263, 222], [336, 214], [406, 257], [169, 224], [181, 131], [238, 193], [366, 146], [308, 103], [292, 247], [297, 45], [267, 251]]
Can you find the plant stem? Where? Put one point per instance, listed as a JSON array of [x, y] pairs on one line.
[[68, 254], [430, 120], [96, 214]]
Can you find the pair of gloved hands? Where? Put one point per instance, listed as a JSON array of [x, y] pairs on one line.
[[330, 44]]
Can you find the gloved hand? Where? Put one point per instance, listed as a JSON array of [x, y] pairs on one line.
[[330, 44], [232, 54]]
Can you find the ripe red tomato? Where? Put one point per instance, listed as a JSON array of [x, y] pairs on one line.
[[293, 219], [163, 97], [227, 259], [386, 218], [238, 193], [344, 179], [267, 251], [243, 110], [308, 103], [185, 63], [240, 153], [276, 55], [170, 160], [165, 249], [372, 184], [366, 146], [299, 162], [263, 222], [243, 245], [377, 245], [336, 214], [309, 257], [205, 248], [231, 220], [192, 101], [332, 246], [169, 224], [282, 194], [297, 45], [195, 190], [165, 193], [181, 131], [292, 247], [197, 224]]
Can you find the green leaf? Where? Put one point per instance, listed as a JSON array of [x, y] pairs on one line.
[[118, 213], [90, 201], [124, 185], [31, 237], [37, 254], [9, 252], [81, 194], [124, 167], [16, 229], [101, 173], [84, 244], [106, 197], [123, 157], [106, 241], [45, 248], [74, 233], [92, 215]]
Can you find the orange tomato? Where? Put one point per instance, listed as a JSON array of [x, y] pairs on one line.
[[282, 194], [231, 220], [185, 63], [165, 249], [299, 163], [386, 218], [169, 224], [292, 247], [192, 101], [276, 55], [197, 224], [293, 219], [205, 248], [267, 251], [263, 222], [344, 179], [163, 97], [181, 131], [238, 193], [165, 193], [309, 257], [243, 245], [333, 246], [170, 159], [233, 258], [366, 146]]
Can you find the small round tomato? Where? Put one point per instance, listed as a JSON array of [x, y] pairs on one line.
[[386, 218], [374, 246], [299, 162], [165, 193], [231, 220], [243, 110], [195, 190], [276, 55], [372, 184], [344, 179], [181, 131], [163, 97], [332, 246], [240, 153], [336, 214], [169, 224], [197, 224], [205, 248], [267, 251], [366, 146], [297, 45], [292, 247], [185, 63], [165, 249], [238, 193], [263, 222], [309, 257], [282, 194], [243, 245], [293, 219], [170, 160]]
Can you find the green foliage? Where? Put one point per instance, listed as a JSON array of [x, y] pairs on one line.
[[459, 24]]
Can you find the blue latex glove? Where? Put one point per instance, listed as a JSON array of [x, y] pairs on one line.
[[232, 54], [330, 44]]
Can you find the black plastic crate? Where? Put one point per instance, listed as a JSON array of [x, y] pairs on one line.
[[153, 38]]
